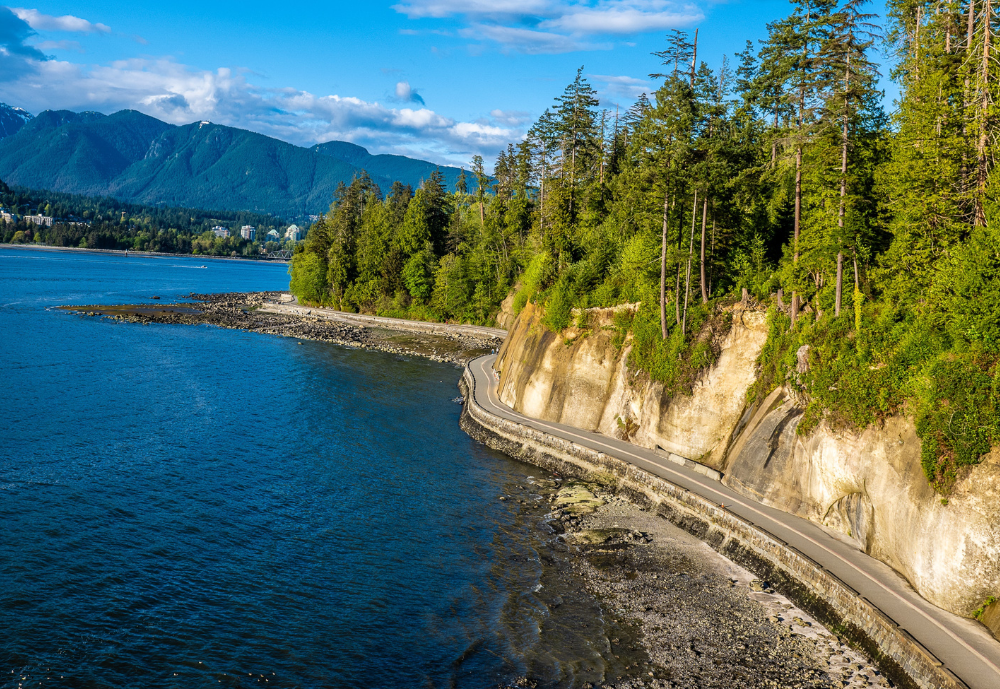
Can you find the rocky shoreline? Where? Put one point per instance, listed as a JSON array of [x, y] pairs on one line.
[[241, 311], [676, 613]]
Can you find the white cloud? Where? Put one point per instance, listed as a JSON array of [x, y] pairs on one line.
[[407, 94], [416, 9], [179, 94], [555, 26], [528, 40], [609, 18], [46, 22], [511, 118], [626, 86], [60, 45]]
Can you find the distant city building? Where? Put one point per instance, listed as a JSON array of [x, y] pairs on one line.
[[313, 218], [42, 220], [273, 236], [248, 232], [220, 232], [293, 233], [8, 217]]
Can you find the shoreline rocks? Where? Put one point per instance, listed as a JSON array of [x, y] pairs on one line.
[[676, 614], [241, 311]]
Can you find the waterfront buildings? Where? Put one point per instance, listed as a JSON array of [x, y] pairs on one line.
[[293, 233], [248, 232], [220, 232], [40, 220]]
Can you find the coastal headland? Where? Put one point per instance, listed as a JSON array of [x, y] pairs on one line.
[[262, 312], [625, 545]]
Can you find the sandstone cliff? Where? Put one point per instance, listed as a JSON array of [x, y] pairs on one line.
[[868, 485]]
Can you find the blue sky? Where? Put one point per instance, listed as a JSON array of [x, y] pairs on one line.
[[438, 79]]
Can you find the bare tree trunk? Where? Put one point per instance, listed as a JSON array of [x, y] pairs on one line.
[[663, 267], [711, 275], [798, 180], [980, 215], [677, 286], [541, 195], [694, 57], [843, 193], [677, 292], [687, 279], [704, 226], [970, 32], [798, 224]]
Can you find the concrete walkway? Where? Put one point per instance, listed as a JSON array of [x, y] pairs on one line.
[[964, 647], [357, 319]]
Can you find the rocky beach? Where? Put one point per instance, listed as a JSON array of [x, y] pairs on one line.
[[676, 614], [242, 311]]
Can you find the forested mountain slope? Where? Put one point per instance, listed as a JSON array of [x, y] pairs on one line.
[[140, 159]]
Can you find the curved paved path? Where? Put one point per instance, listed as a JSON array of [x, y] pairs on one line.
[[479, 331], [965, 647]]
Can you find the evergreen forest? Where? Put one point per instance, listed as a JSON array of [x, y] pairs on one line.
[[872, 236]]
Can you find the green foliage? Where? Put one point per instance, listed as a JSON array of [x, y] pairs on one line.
[[680, 359], [308, 281], [978, 614]]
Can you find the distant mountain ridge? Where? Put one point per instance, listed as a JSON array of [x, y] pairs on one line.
[[138, 158]]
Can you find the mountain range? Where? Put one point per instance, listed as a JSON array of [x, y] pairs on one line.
[[138, 158]]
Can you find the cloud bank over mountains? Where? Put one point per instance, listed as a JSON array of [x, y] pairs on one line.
[[179, 94], [168, 89]]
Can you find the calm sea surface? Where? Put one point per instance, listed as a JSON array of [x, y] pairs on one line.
[[190, 506]]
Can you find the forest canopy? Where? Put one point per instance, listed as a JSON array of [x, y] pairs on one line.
[[874, 237]]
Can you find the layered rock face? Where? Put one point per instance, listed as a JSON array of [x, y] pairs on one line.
[[867, 485]]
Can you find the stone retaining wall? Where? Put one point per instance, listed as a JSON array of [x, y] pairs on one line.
[[823, 595]]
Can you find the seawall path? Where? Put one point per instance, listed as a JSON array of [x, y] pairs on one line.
[[915, 642]]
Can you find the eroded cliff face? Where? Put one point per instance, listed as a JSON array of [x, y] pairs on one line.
[[580, 378], [868, 485]]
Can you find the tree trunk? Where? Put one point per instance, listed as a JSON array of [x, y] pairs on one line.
[[843, 192], [687, 278], [798, 224], [704, 226], [663, 267], [694, 57], [711, 274], [981, 174], [970, 32]]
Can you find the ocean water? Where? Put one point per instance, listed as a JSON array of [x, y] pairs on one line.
[[192, 506]]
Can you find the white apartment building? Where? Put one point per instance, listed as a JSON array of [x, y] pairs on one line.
[[248, 232], [41, 220]]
